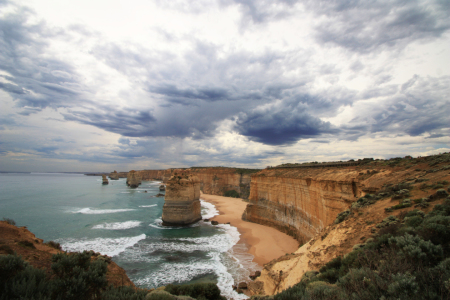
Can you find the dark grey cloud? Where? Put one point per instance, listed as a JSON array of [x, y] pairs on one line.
[[190, 94], [367, 26], [281, 125], [127, 122]]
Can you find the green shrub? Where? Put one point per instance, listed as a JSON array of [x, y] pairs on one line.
[[362, 283], [9, 221], [403, 286], [413, 221], [200, 291], [159, 295], [414, 247], [231, 193]]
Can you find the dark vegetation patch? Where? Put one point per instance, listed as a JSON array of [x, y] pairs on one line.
[[76, 276], [199, 291], [231, 193], [9, 221]]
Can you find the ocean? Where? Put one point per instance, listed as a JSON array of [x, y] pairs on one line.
[[82, 214]]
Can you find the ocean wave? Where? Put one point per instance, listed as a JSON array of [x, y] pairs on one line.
[[118, 225], [108, 246], [153, 205], [158, 225], [208, 210], [89, 211]]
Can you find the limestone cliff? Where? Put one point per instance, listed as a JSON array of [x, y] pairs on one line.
[[162, 175], [181, 202], [218, 180], [133, 179], [304, 202], [301, 202], [104, 179]]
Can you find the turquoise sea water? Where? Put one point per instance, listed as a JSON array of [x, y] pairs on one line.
[[82, 214]]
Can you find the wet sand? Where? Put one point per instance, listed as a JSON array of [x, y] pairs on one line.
[[263, 242]]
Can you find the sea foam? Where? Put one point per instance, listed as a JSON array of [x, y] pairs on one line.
[[108, 246], [89, 211], [118, 225], [153, 205]]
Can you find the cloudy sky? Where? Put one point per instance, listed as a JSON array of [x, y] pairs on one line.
[[94, 85]]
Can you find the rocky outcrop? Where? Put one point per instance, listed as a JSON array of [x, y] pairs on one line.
[[181, 202], [24, 243], [162, 187], [133, 179], [114, 175], [104, 179]]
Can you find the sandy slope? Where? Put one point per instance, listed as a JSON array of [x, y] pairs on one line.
[[264, 243]]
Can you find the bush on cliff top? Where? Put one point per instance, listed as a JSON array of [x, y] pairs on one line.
[[409, 260]]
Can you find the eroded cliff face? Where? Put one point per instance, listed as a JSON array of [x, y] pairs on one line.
[[301, 202], [217, 181]]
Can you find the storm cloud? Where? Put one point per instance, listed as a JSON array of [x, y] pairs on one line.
[[262, 80]]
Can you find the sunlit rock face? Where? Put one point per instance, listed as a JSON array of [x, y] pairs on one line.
[[301, 202], [182, 204], [133, 179]]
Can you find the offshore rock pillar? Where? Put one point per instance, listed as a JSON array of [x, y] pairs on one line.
[[133, 179], [181, 202]]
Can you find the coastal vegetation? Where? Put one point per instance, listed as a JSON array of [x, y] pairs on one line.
[[78, 276]]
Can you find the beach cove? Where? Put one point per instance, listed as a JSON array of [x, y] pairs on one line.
[[263, 242]]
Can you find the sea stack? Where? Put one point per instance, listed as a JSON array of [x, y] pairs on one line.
[[181, 203], [133, 179], [162, 188], [114, 175], [104, 179]]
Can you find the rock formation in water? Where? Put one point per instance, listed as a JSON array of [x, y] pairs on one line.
[[181, 203], [114, 175], [162, 187], [133, 179], [104, 179]]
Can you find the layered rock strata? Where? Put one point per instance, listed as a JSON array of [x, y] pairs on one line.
[[217, 180], [301, 202], [133, 179], [104, 179], [181, 202]]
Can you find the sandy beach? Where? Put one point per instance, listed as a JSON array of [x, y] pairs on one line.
[[264, 243]]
